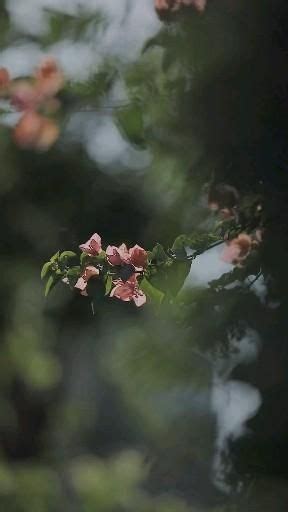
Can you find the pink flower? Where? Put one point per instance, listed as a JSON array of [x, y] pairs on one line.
[[35, 131], [4, 79], [48, 135], [117, 255], [89, 272], [49, 78], [33, 93], [199, 5], [24, 95], [223, 199], [162, 5], [129, 291], [136, 256], [93, 246], [237, 250], [175, 5]]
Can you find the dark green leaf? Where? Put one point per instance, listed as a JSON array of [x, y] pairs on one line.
[[159, 255], [178, 247], [171, 278], [84, 258], [74, 271]]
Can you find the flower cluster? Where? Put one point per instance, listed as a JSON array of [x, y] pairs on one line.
[[35, 98], [124, 267], [165, 6]]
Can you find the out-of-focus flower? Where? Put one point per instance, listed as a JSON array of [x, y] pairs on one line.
[[223, 199], [48, 135], [30, 96], [199, 5], [49, 78], [227, 213], [35, 131], [27, 130], [24, 95], [4, 79], [237, 250], [93, 246], [32, 93], [89, 272], [136, 256], [129, 291], [162, 5], [175, 5]]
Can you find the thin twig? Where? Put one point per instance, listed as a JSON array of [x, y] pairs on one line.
[[255, 279]]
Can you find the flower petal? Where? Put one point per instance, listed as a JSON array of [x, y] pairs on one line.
[[27, 130], [123, 292], [113, 255], [93, 246], [81, 284], [90, 272], [138, 257], [139, 298], [49, 78], [4, 79]]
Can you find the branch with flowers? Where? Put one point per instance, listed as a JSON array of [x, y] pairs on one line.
[[135, 274]]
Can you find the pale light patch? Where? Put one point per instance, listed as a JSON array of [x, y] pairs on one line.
[[233, 403]]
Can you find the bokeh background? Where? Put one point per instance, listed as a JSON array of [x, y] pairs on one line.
[[123, 410]]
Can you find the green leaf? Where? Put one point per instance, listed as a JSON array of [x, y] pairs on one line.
[[108, 284], [102, 255], [67, 255], [131, 124], [201, 241], [83, 258], [178, 247], [171, 278], [46, 268], [159, 255], [74, 272], [55, 257], [155, 295], [49, 285]]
